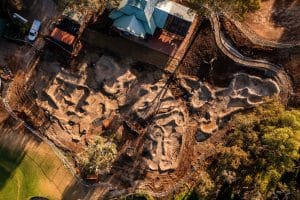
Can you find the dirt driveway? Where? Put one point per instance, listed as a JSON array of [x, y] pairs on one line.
[[46, 12], [14, 55]]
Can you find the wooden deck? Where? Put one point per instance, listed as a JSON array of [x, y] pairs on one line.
[[180, 52]]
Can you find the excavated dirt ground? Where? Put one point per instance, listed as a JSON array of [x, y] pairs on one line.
[[277, 20], [164, 127]]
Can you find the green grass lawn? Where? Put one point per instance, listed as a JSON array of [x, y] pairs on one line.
[[21, 177]]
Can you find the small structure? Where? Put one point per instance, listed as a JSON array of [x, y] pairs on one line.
[[68, 29], [65, 35], [142, 18]]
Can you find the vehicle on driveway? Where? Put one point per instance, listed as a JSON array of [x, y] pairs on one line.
[[34, 30]]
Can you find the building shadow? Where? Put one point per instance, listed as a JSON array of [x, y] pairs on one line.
[[125, 48], [77, 190]]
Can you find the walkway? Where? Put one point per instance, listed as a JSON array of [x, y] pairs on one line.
[[271, 70]]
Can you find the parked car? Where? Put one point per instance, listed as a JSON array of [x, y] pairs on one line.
[[34, 30]]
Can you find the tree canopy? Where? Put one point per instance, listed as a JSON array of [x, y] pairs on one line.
[[239, 7], [98, 156], [259, 156]]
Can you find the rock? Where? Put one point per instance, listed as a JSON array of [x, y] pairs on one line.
[[83, 132], [119, 134]]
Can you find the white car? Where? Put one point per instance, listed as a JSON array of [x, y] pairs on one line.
[[34, 30]]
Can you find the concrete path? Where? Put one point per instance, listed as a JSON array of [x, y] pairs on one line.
[[271, 70]]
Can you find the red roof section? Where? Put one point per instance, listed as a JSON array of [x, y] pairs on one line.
[[63, 36]]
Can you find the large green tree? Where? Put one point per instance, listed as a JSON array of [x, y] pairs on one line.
[[259, 156]]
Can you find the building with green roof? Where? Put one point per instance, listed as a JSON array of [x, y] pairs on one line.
[[142, 17]]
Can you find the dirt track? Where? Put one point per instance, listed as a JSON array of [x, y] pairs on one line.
[[269, 68], [162, 131]]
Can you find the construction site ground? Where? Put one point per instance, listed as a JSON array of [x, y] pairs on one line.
[[276, 21], [165, 125], [286, 56]]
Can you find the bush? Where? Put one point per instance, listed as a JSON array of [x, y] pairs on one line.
[[98, 156], [239, 7]]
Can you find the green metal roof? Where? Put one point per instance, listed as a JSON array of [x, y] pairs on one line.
[[148, 14], [141, 9], [130, 24]]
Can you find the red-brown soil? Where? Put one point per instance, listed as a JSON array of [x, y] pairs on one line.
[[277, 20]]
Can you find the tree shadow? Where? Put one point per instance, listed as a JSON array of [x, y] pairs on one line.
[[77, 190], [12, 150], [40, 10], [10, 160]]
